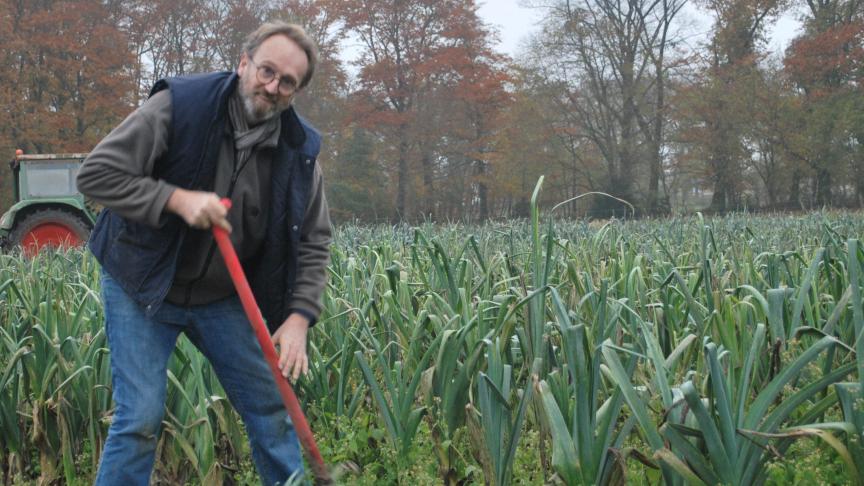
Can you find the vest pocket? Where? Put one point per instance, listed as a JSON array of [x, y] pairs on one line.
[[133, 257]]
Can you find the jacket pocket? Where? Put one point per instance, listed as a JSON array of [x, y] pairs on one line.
[[134, 254]]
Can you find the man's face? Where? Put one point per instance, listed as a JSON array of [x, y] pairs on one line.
[[287, 60]]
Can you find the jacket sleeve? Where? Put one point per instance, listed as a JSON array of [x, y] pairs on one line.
[[313, 254], [118, 172]]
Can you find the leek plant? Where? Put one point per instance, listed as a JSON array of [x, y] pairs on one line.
[[700, 346], [494, 419], [196, 415], [849, 394], [731, 427], [396, 398], [53, 376], [583, 415]]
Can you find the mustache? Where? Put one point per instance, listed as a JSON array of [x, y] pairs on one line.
[[268, 96]]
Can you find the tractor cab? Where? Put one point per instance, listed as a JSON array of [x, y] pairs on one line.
[[48, 209]]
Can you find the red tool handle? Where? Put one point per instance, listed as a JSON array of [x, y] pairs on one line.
[[304, 433]]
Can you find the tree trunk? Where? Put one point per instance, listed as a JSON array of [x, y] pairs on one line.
[[725, 197], [859, 184], [626, 170], [823, 187], [794, 201], [656, 203], [482, 190], [429, 194], [723, 163], [402, 183]]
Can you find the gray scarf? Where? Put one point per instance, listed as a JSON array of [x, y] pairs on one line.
[[246, 138]]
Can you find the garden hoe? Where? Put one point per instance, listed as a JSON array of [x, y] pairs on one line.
[[304, 433]]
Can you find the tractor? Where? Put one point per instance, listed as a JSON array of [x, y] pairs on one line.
[[48, 209]]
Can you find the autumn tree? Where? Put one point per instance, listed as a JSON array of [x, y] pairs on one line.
[[724, 98], [529, 146], [652, 118], [171, 38], [324, 100], [398, 39], [66, 76], [825, 65], [408, 52], [769, 131], [8, 101], [229, 22], [468, 99]]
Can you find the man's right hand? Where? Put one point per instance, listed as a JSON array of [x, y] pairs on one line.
[[199, 209]]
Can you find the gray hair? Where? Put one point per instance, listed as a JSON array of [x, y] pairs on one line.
[[291, 31]]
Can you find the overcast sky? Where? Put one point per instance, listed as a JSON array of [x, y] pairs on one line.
[[514, 23]]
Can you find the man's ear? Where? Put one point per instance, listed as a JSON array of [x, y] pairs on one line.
[[244, 62]]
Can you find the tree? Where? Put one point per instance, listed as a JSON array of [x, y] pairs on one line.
[[68, 67], [8, 102], [353, 179], [470, 95], [609, 61], [532, 143], [229, 22], [652, 120], [170, 38], [407, 54], [825, 64], [733, 73], [323, 101]]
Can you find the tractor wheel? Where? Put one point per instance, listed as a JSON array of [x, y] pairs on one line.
[[49, 228]]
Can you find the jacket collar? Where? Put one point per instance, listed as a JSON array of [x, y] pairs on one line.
[[292, 129]]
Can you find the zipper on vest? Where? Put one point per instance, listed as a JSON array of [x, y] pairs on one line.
[[235, 174]]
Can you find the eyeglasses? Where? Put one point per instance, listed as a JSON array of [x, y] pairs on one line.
[[266, 75]]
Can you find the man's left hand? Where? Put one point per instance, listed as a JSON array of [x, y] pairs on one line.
[[291, 340]]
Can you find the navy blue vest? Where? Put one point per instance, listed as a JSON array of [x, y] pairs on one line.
[[143, 259]]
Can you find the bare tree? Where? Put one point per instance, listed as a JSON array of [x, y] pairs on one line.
[[610, 59]]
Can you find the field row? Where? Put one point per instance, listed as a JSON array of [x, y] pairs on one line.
[[680, 351]]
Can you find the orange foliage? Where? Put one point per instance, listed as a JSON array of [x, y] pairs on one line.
[[430, 84], [829, 59]]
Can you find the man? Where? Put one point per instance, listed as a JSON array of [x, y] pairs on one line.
[[160, 175]]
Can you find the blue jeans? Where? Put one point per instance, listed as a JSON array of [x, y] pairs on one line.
[[140, 347]]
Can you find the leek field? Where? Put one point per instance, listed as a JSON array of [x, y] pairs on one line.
[[691, 350]]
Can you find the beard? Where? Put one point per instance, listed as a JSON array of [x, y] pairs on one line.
[[261, 106]]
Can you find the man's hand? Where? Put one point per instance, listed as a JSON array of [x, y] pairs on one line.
[[291, 340], [199, 209]]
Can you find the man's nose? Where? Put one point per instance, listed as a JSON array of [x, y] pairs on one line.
[[273, 86]]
